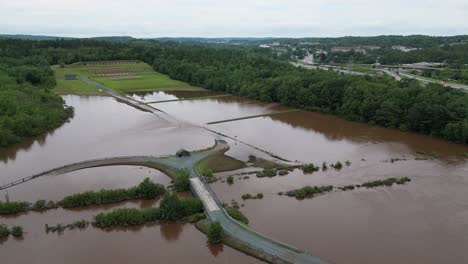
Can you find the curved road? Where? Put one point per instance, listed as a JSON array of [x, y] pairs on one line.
[[275, 251]]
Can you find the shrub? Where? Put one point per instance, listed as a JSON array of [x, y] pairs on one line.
[[238, 215], [42, 205], [324, 166], [151, 214], [145, 190], [17, 231], [348, 163], [208, 173], [246, 196], [267, 173], [386, 182], [309, 168], [259, 195], [120, 217], [230, 180], [182, 180], [13, 207], [215, 233], [191, 206], [309, 191], [4, 232], [171, 207], [337, 165]]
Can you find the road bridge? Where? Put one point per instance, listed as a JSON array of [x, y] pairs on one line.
[[269, 249]]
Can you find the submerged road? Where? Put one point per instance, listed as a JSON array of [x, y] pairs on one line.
[[268, 249]]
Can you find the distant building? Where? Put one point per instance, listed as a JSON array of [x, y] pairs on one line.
[[348, 49], [403, 48], [71, 77], [182, 153]]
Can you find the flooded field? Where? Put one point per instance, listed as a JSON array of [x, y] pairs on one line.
[[425, 221]]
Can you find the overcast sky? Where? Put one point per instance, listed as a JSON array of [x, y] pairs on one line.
[[235, 18]]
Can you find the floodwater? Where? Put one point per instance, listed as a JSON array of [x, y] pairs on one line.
[[424, 221]]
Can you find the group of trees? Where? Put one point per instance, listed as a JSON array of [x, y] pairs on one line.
[[171, 208], [28, 107]]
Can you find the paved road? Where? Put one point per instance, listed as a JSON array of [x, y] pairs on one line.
[[328, 67], [452, 85], [212, 205]]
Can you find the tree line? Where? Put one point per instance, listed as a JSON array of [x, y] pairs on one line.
[[406, 105]]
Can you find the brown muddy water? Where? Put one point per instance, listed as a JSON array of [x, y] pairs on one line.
[[425, 221]]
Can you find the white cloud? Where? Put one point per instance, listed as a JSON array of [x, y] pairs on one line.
[[218, 18]]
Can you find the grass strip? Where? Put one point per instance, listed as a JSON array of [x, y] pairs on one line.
[[254, 116]]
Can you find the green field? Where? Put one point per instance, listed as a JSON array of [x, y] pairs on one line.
[[75, 87], [144, 79]]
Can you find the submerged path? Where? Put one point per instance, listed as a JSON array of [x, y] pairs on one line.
[[268, 249], [130, 101]]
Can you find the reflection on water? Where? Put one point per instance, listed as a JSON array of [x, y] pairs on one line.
[[169, 95]]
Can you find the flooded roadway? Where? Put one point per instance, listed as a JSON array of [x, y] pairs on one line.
[[424, 221]]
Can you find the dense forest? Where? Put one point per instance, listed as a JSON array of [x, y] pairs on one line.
[[406, 105], [28, 107], [433, 110]]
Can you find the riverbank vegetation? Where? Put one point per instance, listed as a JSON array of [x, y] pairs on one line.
[[237, 215]]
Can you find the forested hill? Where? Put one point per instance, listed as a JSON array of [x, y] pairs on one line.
[[406, 105]]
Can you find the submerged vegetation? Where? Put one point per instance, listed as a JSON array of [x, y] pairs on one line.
[[386, 182], [16, 231], [249, 196], [171, 208], [311, 191], [7, 208], [147, 189]]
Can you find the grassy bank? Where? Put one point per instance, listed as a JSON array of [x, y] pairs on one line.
[[219, 163], [76, 87]]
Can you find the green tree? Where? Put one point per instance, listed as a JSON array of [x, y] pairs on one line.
[[182, 180], [215, 233]]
